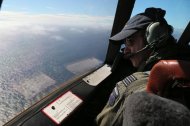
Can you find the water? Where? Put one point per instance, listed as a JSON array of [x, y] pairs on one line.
[[32, 65]]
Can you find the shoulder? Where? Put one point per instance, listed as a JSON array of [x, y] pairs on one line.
[[133, 82], [136, 82]]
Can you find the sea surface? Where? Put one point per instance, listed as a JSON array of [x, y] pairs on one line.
[[33, 65]]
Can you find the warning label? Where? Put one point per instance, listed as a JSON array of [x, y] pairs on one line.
[[59, 109]]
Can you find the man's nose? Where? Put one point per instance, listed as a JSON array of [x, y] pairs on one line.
[[127, 50]]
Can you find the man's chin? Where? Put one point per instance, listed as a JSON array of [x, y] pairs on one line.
[[134, 63]]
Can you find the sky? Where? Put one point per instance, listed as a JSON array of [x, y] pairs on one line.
[[176, 9], [89, 7], [87, 13]]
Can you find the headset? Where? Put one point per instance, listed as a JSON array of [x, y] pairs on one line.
[[157, 34]]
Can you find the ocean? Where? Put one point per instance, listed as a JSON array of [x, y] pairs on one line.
[[33, 65]]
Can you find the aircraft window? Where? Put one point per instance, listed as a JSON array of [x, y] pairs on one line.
[[177, 12], [45, 43]]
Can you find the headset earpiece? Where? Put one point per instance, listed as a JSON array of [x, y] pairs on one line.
[[156, 34]]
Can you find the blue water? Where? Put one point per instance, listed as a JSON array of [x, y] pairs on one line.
[[31, 66]]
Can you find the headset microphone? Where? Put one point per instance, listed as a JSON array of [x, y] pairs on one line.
[[133, 54]]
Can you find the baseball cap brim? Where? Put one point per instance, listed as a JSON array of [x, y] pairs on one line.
[[123, 34]]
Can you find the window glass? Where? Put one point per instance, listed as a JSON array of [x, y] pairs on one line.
[[177, 12], [43, 43]]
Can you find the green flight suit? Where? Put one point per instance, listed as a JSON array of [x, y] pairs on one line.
[[112, 112]]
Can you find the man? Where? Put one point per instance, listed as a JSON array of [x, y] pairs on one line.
[[147, 38]]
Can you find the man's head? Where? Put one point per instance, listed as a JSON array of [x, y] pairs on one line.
[[143, 31]]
